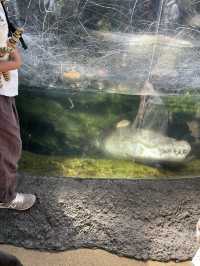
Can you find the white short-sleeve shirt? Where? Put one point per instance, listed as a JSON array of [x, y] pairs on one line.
[[10, 88]]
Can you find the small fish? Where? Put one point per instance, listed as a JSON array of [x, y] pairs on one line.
[[73, 75], [123, 123]]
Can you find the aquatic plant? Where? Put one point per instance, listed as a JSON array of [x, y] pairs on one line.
[[187, 103]]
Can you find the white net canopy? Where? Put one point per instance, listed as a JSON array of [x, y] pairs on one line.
[[131, 46]]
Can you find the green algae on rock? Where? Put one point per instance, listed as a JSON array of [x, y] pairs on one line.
[[86, 167], [99, 168]]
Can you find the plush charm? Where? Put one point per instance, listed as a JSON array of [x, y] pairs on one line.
[[5, 51]]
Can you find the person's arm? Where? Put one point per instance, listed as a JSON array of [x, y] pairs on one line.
[[14, 62]]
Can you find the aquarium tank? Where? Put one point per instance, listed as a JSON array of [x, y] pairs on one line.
[[110, 88]]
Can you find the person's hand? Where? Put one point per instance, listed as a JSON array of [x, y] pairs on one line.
[[16, 58]]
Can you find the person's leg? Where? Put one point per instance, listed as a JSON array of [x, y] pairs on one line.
[[10, 152], [10, 148]]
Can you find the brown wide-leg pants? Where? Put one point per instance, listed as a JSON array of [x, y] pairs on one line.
[[10, 147]]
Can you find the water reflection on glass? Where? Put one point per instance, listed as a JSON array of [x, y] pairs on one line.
[[110, 88]]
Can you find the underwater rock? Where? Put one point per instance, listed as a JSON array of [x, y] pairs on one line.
[[194, 127], [145, 146]]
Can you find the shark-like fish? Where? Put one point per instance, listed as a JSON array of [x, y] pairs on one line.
[[145, 145]]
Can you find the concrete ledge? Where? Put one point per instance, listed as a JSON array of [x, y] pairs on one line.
[[142, 219]]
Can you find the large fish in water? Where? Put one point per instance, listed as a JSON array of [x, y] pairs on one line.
[[144, 145], [144, 41]]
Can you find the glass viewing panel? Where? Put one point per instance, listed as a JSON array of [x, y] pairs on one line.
[[110, 88]]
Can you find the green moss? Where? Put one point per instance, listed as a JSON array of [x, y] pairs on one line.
[[185, 104], [191, 169], [98, 168]]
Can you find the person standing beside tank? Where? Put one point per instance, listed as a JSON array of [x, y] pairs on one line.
[[10, 139]]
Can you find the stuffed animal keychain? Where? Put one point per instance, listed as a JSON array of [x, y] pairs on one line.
[[15, 35], [11, 27], [5, 51]]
